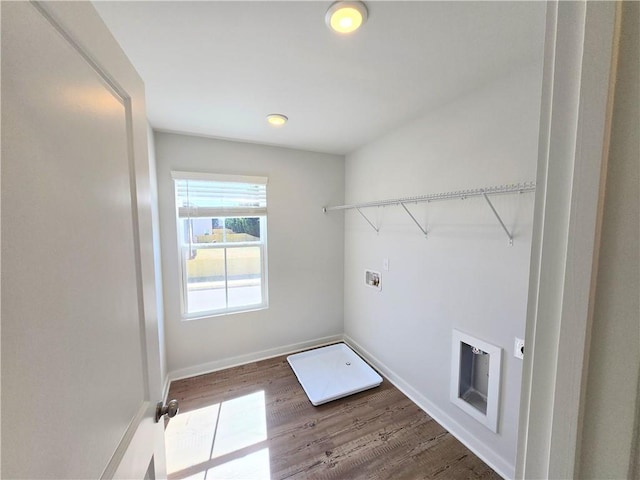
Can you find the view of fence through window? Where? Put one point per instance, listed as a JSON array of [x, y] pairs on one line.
[[223, 263]]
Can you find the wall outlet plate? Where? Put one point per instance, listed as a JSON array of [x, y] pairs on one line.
[[518, 348], [373, 279]]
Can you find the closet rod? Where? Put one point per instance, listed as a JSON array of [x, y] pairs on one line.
[[432, 197]]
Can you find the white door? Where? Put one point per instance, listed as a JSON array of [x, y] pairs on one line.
[[80, 354]]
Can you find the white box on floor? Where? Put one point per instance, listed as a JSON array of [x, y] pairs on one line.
[[332, 372]]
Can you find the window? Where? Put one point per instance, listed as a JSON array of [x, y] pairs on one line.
[[222, 237]]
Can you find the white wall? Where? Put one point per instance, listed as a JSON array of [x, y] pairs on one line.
[[305, 254], [614, 359], [464, 275]]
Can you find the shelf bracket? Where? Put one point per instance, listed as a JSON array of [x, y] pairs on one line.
[[368, 221], [414, 219], [499, 219]]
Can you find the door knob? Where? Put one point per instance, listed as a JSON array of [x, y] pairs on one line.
[[170, 409]]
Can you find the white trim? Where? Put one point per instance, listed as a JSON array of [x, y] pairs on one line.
[[165, 389], [123, 459], [477, 446], [238, 360], [218, 177], [578, 53]]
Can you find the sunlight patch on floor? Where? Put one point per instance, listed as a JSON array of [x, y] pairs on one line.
[[220, 441], [253, 466]]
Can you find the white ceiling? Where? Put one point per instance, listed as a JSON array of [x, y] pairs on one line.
[[218, 68]]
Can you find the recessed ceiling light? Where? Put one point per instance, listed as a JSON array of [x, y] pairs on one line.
[[346, 17], [276, 119]]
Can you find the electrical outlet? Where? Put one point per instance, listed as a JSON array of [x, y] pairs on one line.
[[518, 348]]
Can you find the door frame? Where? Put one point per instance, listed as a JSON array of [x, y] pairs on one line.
[[575, 120]]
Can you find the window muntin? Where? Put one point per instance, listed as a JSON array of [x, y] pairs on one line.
[[222, 243]]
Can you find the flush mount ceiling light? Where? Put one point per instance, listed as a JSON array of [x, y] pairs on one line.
[[276, 119], [346, 17]]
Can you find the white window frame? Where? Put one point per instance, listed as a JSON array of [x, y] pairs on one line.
[[223, 214]]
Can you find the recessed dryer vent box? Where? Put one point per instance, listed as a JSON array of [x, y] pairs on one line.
[[475, 378]]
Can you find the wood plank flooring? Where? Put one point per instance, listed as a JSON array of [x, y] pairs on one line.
[[377, 434]]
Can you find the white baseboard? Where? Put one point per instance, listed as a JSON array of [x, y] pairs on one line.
[[499, 464], [248, 358]]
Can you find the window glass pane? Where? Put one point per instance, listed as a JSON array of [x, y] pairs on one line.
[[205, 280], [242, 229], [217, 231], [203, 230], [244, 276]]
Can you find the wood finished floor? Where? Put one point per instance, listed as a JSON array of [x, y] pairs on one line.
[[377, 434]]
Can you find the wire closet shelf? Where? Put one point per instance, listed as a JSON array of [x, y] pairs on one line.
[[485, 192]]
